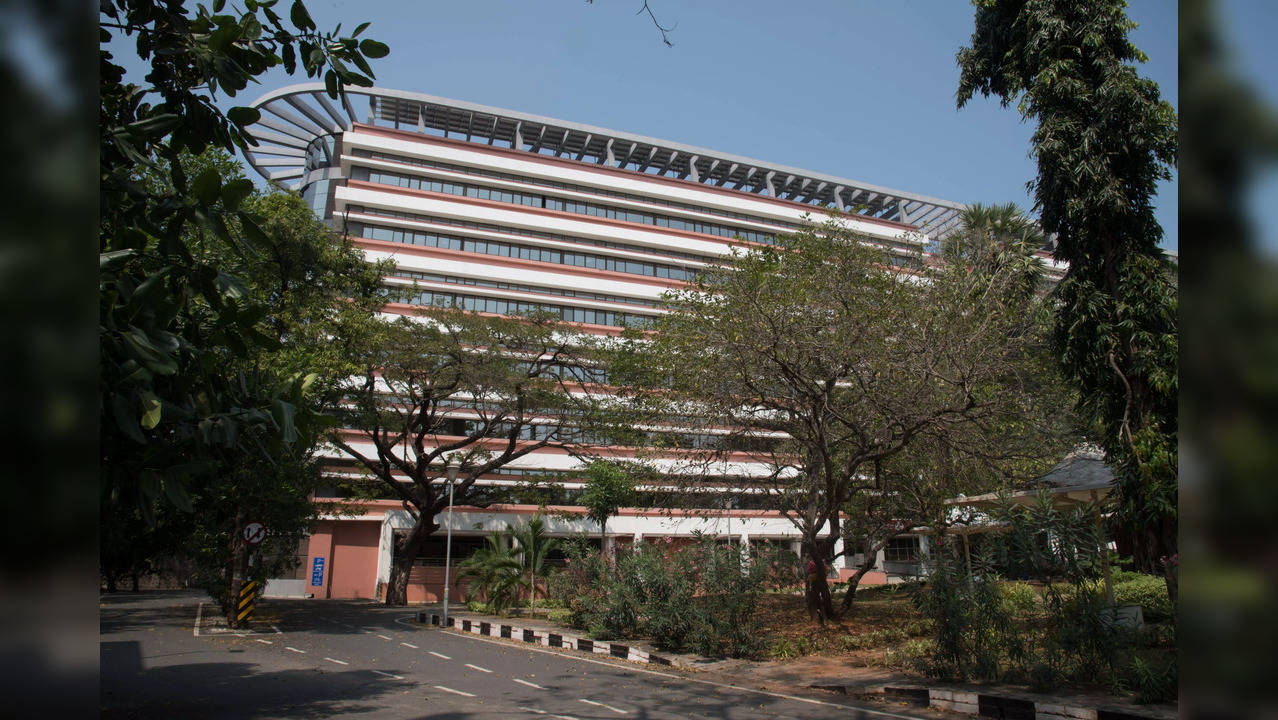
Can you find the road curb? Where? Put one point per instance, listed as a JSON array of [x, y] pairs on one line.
[[549, 639], [995, 705]]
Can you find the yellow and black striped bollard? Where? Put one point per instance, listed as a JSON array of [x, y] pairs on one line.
[[248, 597]]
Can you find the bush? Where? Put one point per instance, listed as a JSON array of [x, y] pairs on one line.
[[1018, 599], [1148, 591], [477, 606], [560, 616], [1152, 682], [699, 597]]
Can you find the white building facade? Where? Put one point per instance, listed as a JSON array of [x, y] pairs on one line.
[[503, 212]]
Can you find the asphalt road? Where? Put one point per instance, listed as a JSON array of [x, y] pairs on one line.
[[357, 660]]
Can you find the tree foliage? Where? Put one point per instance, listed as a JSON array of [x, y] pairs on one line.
[[1103, 141], [609, 487], [315, 293], [825, 359], [170, 316], [916, 483], [478, 390]]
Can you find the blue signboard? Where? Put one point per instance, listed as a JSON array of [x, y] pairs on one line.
[[317, 572]]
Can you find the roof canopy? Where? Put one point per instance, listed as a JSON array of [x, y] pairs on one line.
[[294, 116]]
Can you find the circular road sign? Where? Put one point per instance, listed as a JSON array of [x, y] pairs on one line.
[[254, 533]]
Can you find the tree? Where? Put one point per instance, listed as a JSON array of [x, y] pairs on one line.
[[1104, 139], [509, 562], [532, 548], [184, 401], [609, 487], [914, 486], [314, 294], [169, 316], [478, 390], [822, 357]]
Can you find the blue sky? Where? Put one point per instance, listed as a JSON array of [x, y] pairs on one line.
[[860, 89]]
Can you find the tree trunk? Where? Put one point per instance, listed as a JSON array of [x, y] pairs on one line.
[[855, 581], [816, 587], [402, 567], [136, 580], [236, 570]]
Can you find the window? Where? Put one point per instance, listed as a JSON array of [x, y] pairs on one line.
[[902, 550]]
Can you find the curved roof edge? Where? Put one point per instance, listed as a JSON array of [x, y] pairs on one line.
[[295, 115]]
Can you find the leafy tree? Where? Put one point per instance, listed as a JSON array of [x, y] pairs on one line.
[[186, 401], [1104, 139], [913, 486], [170, 316], [455, 385], [314, 294], [609, 487], [824, 358]]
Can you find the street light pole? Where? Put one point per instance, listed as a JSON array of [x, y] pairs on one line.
[[448, 544]]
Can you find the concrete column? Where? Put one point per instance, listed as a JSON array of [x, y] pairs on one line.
[[745, 545]]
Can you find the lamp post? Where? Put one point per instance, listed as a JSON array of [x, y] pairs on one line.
[[451, 472]]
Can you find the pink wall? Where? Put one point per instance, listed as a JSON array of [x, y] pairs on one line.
[[349, 550], [426, 585], [870, 578], [354, 571], [320, 546]]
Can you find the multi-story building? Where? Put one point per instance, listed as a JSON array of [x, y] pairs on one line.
[[504, 212]]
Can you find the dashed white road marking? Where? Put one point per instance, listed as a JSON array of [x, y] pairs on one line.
[[409, 645], [455, 692], [441, 656], [535, 711], [264, 642], [339, 662], [384, 637], [286, 647], [476, 667], [521, 681], [389, 675], [619, 711], [726, 686]]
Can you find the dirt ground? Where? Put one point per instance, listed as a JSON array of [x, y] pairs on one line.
[[879, 623]]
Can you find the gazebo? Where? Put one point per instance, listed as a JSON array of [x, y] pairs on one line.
[[1081, 478]]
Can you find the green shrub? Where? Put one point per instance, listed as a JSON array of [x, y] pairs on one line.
[[477, 606], [1018, 598], [1148, 591], [699, 597], [782, 649], [1152, 682], [560, 616]]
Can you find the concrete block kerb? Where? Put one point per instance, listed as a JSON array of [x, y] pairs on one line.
[[548, 639]]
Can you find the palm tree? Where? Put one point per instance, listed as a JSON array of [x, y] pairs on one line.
[[992, 237], [532, 547], [494, 571]]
